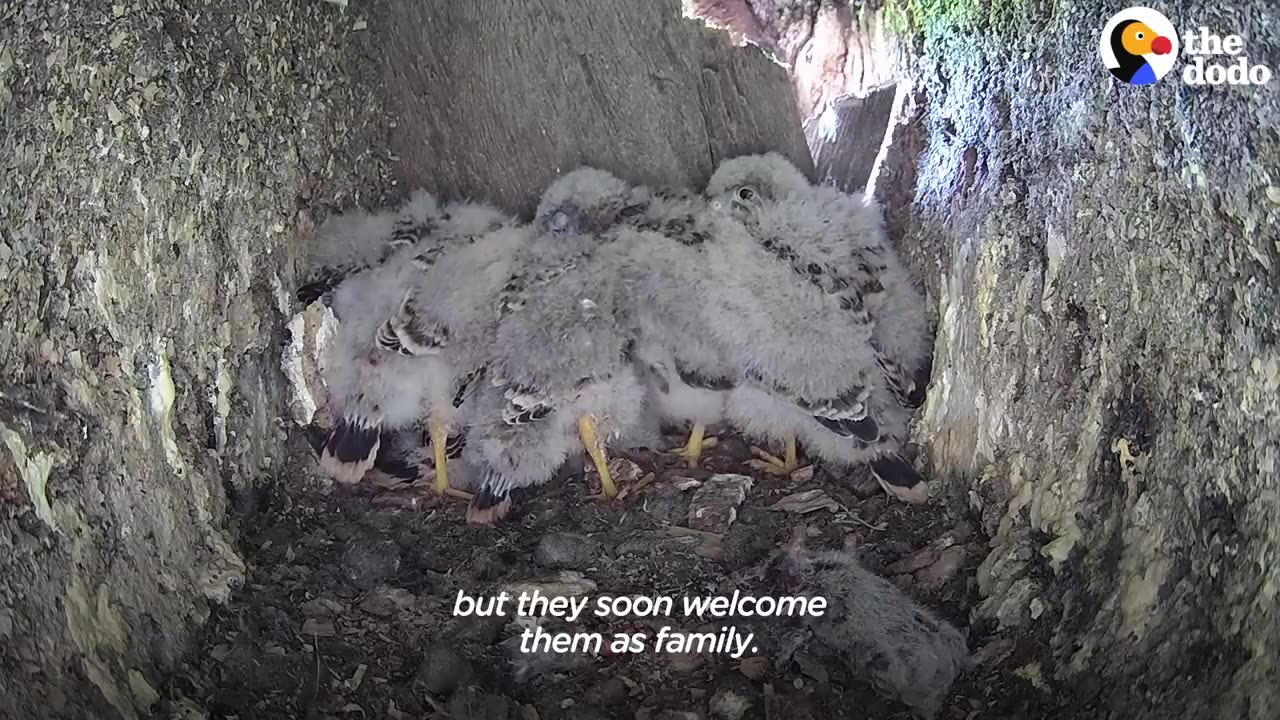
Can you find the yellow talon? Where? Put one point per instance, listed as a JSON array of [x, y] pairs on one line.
[[439, 437], [778, 466], [595, 448], [692, 451]]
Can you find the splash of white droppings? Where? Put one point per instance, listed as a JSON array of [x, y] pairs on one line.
[[282, 297], [325, 334], [218, 395], [35, 471], [302, 405], [223, 408], [161, 394]]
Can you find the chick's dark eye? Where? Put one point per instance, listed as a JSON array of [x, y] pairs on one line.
[[746, 194], [1139, 36]]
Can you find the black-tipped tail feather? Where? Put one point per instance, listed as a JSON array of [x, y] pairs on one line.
[[351, 449], [353, 440], [491, 503], [847, 415], [865, 428], [900, 479], [393, 463]]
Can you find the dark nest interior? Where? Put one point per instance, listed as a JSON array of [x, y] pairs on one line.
[[348, 606]]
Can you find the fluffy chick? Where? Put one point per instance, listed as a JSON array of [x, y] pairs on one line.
[[357, 240], [688, 377], [833, 248], [806, 367], [448, 322], [657, 255], [834, 239], [906, 652], [561, 354], [369, 387], [381, 370]]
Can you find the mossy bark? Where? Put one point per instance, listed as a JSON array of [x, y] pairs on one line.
[[1106, 383]]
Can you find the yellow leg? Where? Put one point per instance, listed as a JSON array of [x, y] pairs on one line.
[[595, 448], [775, 465], [439, 436], [692, 451]]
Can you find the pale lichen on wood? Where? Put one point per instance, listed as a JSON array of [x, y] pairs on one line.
[[155, 154]]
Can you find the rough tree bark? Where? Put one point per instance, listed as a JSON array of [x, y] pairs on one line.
[[157, 157], [495, 98], [834, 49], [154, 156], [1104, 395], [847, 145], [845, 63]]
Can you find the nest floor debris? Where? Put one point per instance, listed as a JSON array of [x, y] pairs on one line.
[[348, 609]]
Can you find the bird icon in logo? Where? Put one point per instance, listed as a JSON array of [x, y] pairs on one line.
[[1132, 42]]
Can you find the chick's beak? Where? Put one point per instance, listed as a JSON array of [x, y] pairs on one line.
[[1161, 45]]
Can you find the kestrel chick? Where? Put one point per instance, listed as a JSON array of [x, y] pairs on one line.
[[663, 275], [385, 369], [357, 240], [906, 651], [561, 356], [834, 327]]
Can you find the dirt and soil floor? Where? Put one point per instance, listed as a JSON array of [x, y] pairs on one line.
[[347, 612]]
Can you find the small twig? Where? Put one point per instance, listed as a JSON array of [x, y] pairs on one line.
[[855, 518], [878, 528]]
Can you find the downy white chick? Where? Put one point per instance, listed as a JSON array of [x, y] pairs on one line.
[[447, 322], [561, 360], [836, 237], [369, 387], [834, 249], [381, 371], [662, 272], [805, 367], [907, 652], [358, 239]]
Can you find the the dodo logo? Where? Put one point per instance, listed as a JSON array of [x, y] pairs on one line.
[[1139, 45]]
